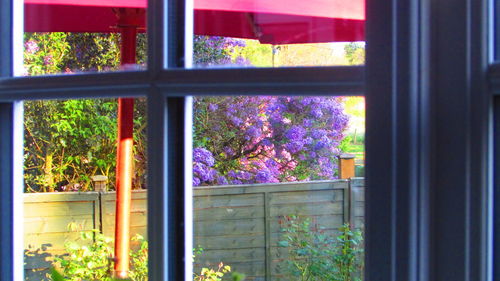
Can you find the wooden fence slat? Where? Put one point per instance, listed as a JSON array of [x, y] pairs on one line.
[[57, 208], [57, 224], [229, 241], [232, 256], [268, 199], [216, 228], [326, 221], [50, 241], [224, 201], [60, 197], [323, 208], [275, 187], [237, 225], [234, 213], [311, 197]]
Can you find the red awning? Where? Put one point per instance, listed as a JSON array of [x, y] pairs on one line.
[[276, 22]]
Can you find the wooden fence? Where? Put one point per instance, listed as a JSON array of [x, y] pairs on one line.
[[238, 225]]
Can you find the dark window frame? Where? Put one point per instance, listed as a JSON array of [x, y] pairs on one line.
[[427, 95]]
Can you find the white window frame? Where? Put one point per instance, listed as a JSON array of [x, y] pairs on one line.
[[428, 133]]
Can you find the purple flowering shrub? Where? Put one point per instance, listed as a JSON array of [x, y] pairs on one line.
[[306, 134], [63, 52], [261, 139], [210, 51], [44, 53], [266, 139], [203, 171]]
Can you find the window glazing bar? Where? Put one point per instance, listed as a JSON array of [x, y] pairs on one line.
[[6, 31], [168, 128], [158, 194], [11, 186]]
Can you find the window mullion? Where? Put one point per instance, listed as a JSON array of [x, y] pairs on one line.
[[158, 195], [11, 184], [6, 31]]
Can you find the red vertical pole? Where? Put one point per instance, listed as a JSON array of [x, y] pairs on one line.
[[125, 158]]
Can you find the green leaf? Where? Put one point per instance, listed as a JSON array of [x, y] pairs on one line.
[[55, 275]]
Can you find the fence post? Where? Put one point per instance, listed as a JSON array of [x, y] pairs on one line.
[[100, 182], [346, 166], [347, 203]]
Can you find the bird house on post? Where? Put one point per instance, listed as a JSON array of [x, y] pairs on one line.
[[346, 166], [100, 182]]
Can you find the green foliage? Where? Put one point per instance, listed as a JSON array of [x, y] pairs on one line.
[[88, 261], [67, 142], [56, 52], [210, 51], [316, 255], [210, 274], [139, 260], [56, 276], [45, 52], [236, 276], [92, 52], [92, 259], [347, 256], [259, 55], [355, 53], [345, 144]]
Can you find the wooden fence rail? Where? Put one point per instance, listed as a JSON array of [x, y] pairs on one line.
[[238, 225]]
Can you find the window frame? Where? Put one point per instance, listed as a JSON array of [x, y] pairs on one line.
[[494, 86], [410, 235]]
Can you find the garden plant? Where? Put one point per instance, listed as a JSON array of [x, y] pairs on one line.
[[239, 139], [316, 254], [91, 259]]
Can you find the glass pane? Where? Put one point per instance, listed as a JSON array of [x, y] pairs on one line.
[[71, 189], [278, 187], [68, 36], [278, 33]]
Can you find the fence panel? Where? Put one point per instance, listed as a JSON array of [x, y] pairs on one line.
[[237, 225], [138, 213], [52, 219], [240, 225], [357, 211]]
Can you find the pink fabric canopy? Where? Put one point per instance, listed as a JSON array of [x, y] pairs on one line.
[[276, 21]]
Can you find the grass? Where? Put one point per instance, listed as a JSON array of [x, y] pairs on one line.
[[355, 148]]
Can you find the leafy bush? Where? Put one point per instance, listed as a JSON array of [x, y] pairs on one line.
[[316, 255], [139, 260], [88, 261], [92, 259], [265, 139], [210, 274], [67, 142]]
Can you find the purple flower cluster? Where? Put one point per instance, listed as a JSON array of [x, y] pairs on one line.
[[31, 46], [203, 173], [48, 60], [261, 139], [269, 139], [210, 51]]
